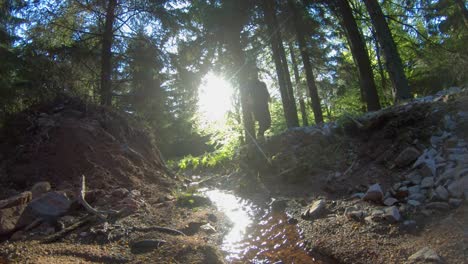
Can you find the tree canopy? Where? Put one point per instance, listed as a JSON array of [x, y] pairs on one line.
[[149, 58]]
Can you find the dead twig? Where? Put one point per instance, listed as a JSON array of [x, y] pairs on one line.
[[350, 168], [102, 214], [160, 229]]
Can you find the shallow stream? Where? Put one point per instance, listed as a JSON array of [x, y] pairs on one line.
[[258, 234]]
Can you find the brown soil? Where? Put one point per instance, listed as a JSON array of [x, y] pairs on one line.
[[362, 151], [64, 139]]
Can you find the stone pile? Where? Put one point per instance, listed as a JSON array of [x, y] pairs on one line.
[[43, 211]]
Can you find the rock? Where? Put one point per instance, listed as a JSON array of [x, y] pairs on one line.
[[192, 228], [401, 193], [414, 189], [441, 193], [417, 197], [441, 206], [392, 214], [407, 156], [52, 204], [209, 229], [413, 203], [358, 195], [427, 182], [409, 226], [212, 255], [146, 245], [40, 188], [212, 218], [20, 199], [278, 205], [9, 218], [428, 159], [355, 214], [314, 210], [390, 201], [18, 235], [396, 186], [414, 178], [425, 170], [453, 202], [293, 221], [458, 187], [120, 192], [374, 194], [426, 254]]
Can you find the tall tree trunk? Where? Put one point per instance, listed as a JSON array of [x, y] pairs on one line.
[[106, 54], [234, 46], [299, 25], [464, 11], [360, 55], [279, 56], [383, 79], [297, 81], [392, 58]]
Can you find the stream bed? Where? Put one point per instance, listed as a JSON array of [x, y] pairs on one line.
[[258, 234]]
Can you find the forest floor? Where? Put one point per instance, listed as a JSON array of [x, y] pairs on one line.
[[386, 187]]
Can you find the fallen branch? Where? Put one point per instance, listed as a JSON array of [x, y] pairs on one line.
[[57, 236], [102, 214], [159, 228]]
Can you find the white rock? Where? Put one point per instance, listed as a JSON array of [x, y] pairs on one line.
[[314, 210], [426, 254]]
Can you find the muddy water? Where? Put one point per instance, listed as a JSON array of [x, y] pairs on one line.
[[257, 234]]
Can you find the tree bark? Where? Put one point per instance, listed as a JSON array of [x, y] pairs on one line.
[[464, 11], [279, 56], [392, 58], [299, 26], [360, 55], [297, 81], [106, 54], [234, 27]]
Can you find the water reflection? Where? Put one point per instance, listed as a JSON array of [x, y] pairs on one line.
[[258, 235], [240, 213]]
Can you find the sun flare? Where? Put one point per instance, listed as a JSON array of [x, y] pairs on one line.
[[215, 97]]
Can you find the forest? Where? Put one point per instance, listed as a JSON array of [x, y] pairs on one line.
[[320, 59], [169, 106]]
